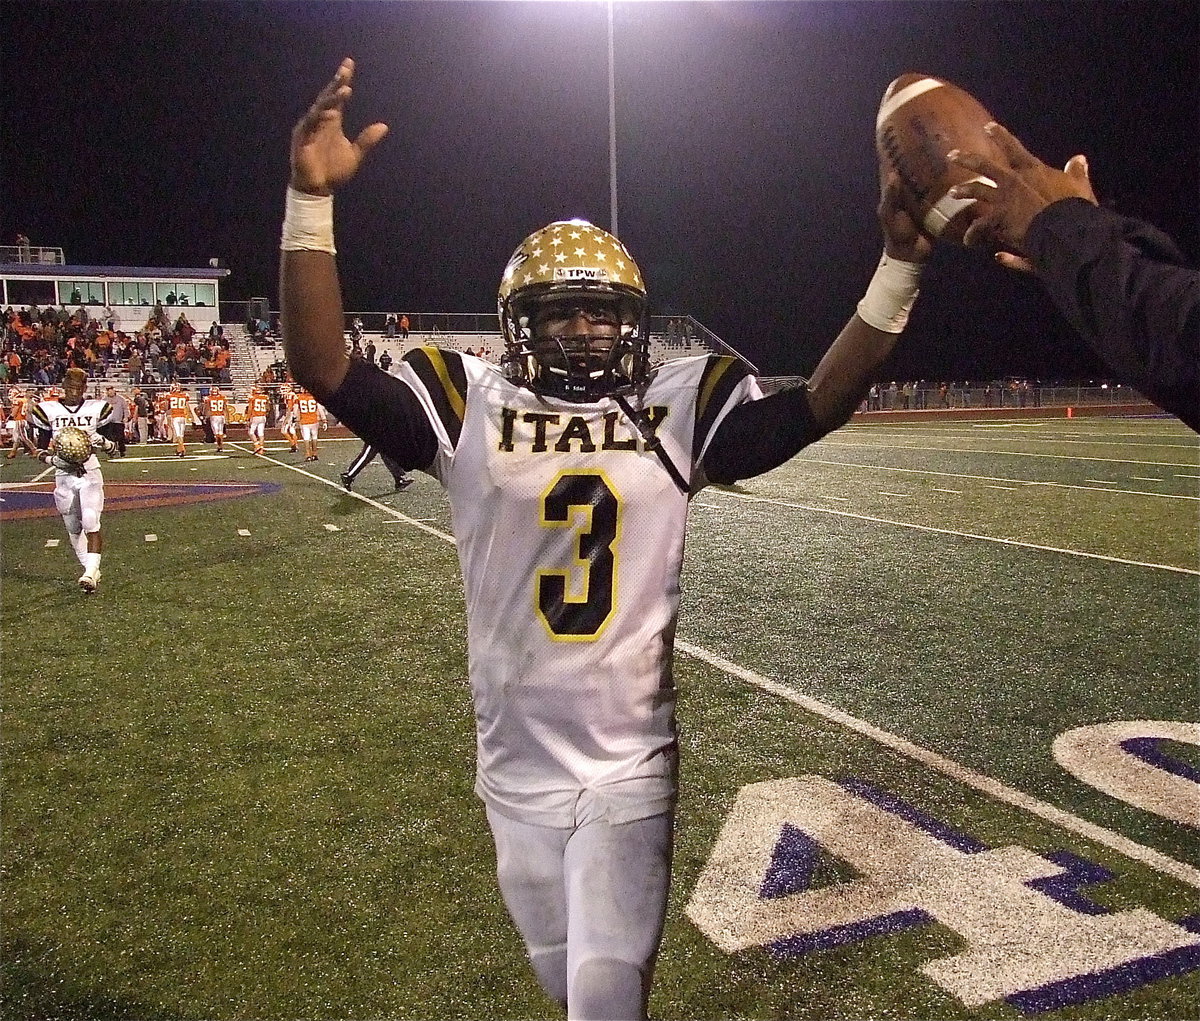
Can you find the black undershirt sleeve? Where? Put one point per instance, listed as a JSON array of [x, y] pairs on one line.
[[760, 435], [384, 411], [1124, 286]]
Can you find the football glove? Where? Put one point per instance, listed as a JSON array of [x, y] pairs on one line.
[[61, 463], [103, 443]]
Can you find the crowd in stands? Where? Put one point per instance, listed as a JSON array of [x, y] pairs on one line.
[[40, 344], [922, 395]]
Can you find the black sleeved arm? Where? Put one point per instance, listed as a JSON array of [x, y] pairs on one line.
[[760, 435], [1123, 286], [384, 411]]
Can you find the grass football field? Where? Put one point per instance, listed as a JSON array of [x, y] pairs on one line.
[[237, 782]]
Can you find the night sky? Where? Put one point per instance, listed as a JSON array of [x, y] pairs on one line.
[[157, 134]]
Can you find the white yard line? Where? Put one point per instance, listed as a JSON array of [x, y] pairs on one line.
[[358, 496], [963, 535], [1010, 453], [993, 788], [993, 478]]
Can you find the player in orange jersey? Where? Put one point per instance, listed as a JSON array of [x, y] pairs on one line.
[[215, 405], [16, 420], [312, 419], [179, 408], [287, 423], [257, 406]]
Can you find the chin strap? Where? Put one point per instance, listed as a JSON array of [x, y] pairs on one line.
[[653, 442]]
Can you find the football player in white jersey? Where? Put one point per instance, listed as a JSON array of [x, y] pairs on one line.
[[569, 469], [78, 489]]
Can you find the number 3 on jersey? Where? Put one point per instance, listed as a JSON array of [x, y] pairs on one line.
[[580, 615]]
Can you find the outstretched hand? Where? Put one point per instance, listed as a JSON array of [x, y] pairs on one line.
[[1021, 189], [322, 156], [902, 238]]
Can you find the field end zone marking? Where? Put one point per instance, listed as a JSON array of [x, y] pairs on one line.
[[993, 788], [993, 478], [962, 535]]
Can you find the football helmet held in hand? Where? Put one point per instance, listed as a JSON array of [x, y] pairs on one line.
[[568, 269], [73, 445]]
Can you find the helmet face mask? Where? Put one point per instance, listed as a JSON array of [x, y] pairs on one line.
[[572, 311]]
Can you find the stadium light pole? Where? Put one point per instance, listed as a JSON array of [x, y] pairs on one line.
[[612, 130]]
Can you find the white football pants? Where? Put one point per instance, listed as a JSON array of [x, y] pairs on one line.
[[590, 903]]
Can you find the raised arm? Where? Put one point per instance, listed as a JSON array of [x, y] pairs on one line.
[[760, 435], [844, 373], [310, 296]]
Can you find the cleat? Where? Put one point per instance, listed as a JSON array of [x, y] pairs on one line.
[[403, 484], [293, 448], [346, 480], [89, 582]]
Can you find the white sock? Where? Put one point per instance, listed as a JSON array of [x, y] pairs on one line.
[[91, 563], [79, 544]]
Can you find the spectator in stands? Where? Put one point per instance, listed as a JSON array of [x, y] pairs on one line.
[[24, 252], [404, 327], [1122, 284]]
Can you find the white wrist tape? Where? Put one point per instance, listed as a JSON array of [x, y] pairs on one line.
[[307, 223], [890, 295]]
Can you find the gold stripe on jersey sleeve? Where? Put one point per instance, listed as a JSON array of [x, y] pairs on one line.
[[445, 378], [721, 376], [37, 416]]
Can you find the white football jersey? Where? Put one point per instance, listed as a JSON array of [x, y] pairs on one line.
[[89, 415], [570, 537]]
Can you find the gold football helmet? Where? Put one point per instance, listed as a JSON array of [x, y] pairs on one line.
[[569, 262]]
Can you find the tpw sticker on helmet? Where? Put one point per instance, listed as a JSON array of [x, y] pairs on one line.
[[580, 273]]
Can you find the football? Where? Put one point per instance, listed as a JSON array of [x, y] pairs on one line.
[[921, 118], [73, 444]]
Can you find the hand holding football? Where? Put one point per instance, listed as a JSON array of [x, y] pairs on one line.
[[73, 444], [921, 119]]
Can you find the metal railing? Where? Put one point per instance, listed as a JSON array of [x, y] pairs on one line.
[[32, 254]]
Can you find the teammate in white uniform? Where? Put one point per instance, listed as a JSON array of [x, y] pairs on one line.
[[569, 470], [78, 491]]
